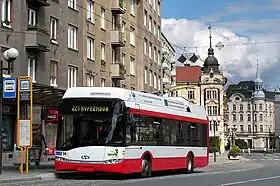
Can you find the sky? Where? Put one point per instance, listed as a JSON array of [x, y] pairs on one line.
[[248, 29]]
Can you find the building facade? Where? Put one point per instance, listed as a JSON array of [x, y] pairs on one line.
[[168, 65], [250, 112], [149, 43], [205, 86], [277, 120], [68, 43]]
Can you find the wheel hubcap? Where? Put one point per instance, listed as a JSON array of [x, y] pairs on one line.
[[144, 165], [189, 164]]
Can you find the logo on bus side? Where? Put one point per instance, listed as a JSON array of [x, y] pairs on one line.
[[85, 157], [113, 152]]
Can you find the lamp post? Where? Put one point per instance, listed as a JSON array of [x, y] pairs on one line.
[[215, 121], [232, 132], [10, 56]]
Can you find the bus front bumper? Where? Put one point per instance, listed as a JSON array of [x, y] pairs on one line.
[[122, 167]]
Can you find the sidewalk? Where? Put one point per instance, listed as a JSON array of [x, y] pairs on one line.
[[11, 173], [222, 159]]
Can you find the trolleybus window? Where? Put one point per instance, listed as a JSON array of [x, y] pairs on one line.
[[90, 123], [147, 130]]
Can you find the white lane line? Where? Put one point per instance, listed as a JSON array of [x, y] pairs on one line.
[[247, 181]]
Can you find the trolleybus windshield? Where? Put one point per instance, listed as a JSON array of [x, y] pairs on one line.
[[90, 123]]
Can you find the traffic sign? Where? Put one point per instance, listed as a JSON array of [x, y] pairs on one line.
[[9, 87], [24, 85]]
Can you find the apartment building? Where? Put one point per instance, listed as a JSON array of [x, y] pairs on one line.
[[149, 43], [168, 65], [68, 43]]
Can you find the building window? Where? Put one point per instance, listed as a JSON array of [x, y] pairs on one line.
[[255, 128], [241, 128], [146, 75], [190, 94], [90, 81], [261, 128], [90, 11], [151, 78], [159, 58], [32, 68], [155, 54], [114, 53], [249, 128], [32, 17], [53, 73], [248, 107], [261, 118], [145, 17], [158, 8], [150, 23], [255, 117], [53, 30], [132, 7], [214, 94], [155, 28], [208, 94], [123, 58], [132, 36], [159, 82], [103, 52], [6, 13], [132, 66], [72, 4], [72, 37], [241, 107], [150, 50], [241, 117], [249, 117], [234, 107], [155, 80], [102, 19], [260, 107], [209, 111], [103, 82], [255, 107], [158, 33], [123, 31], [72, 76], [234, 117], [90, 48], [145, 46]]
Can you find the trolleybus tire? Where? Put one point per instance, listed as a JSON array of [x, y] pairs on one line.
[[189, 164], [146, 167]]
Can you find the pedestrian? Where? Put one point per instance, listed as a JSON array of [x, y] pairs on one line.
[[264, 151]]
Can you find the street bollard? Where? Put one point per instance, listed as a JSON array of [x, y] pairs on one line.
[[249, 151], [243, 150]]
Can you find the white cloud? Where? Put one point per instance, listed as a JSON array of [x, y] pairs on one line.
[[237, 61]]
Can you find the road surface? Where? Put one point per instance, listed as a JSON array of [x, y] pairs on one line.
[[257, 170]]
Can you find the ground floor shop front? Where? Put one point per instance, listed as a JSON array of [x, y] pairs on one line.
[[44, 125]]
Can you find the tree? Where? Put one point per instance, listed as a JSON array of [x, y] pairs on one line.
[[215, 144]]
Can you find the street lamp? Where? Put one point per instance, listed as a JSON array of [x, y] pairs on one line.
[[215, 121], [232, 131], [10, 56]]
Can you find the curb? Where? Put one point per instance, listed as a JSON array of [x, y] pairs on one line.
[[227, 163], [28, 178]]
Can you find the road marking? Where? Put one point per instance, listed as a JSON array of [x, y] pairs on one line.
[[247, 181]]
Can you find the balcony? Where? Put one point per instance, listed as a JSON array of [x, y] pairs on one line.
[[117, 38], [37, 39], [117, 6], [118, 71], [38, 3]]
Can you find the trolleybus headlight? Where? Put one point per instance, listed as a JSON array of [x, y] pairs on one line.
[[111, 161]]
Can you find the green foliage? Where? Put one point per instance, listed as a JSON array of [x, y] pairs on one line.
[[234, 151], [215, 144]]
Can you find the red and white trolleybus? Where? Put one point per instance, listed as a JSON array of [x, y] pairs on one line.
[[115, 130]]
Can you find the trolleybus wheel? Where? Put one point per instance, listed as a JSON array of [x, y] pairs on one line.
[[189, 164], [146, 167]]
